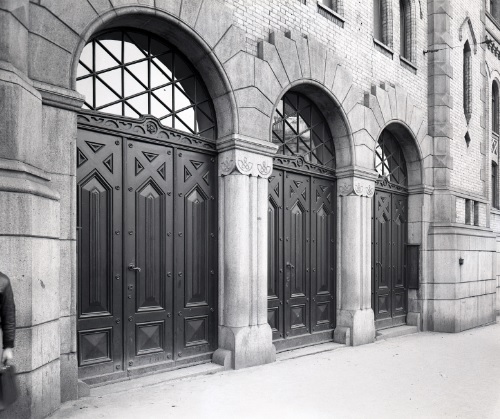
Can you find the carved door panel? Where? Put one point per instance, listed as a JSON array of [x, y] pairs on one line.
[[195, 254], [297, 254], [148, 228], [389, 258], [99, 182], [323, 254]]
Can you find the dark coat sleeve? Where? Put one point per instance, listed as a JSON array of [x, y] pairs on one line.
[[8, 313]]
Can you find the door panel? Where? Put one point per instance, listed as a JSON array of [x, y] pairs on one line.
[[389, 258], [196, 270], [99, 244], [148, 220], [301, 273]]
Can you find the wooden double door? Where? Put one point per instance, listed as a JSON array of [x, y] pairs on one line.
[[301, 275], [147, 254], [389, 261]]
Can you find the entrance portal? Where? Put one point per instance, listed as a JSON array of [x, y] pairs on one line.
[[147, 210], [302, 203], [389, 261]]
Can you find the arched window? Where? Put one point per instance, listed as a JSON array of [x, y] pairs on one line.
[[494, 108], [467, 78], [133, 73], [389, 161], [382, 21], [405, 29], [300, 129], [494, 185]]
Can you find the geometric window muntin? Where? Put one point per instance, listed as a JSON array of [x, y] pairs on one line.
[[300, 129], [389, 160], [133, 73]]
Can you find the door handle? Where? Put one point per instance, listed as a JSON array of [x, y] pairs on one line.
[[289, 265], [132, 267]]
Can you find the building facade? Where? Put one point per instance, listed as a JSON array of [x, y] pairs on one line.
[[205, 180]]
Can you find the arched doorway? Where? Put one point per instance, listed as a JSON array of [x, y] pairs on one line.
[[390, 234], [146, 208], [301, 220]]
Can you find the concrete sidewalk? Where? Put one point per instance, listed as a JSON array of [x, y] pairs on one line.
[[427, 375]]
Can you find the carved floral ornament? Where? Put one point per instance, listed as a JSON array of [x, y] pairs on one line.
[[360, 187], [245, 163]]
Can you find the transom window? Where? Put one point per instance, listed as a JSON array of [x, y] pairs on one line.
[[389, 160], [133, 73], [300, 129]]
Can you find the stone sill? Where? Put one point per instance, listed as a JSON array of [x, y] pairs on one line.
[[384, 49], [331, 14], [495, 211], [408, 64]]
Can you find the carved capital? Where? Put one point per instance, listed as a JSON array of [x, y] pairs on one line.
[[245, 163], [355, 186]]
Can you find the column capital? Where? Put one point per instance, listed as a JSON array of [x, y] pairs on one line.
[[246, 156], [356, 186]]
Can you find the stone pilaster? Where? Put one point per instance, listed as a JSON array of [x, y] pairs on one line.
[[355, 318], [245, 337]]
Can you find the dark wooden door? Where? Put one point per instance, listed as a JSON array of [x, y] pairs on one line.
[[390, 292], [147, 254], [301, 276]]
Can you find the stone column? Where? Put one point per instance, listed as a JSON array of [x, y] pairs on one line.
[[355, 319], [245, 337]]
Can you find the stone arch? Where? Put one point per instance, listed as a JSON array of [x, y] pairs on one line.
[[206, 46], [390, 107], [467, 22], [332, 111]]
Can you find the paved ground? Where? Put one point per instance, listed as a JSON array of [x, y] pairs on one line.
[[425, 375]]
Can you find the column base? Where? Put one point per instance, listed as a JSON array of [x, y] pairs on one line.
[[355, 327], [241, 347]]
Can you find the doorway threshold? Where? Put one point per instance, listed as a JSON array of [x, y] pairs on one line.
[[396, 331], [308, 350]]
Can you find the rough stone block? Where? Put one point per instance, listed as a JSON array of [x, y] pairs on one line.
[[268, 52], [67, 332], [241, 70], [65, 185], [364, 153], [401, 99], [288, 53], [446, 267], [444, 316], [371, 124], [357, 118], [121, 3], [254, 123], [331, 66], [468, 313], [342, 83], [317, 54], [266, 81], [59, 140], [47, 25], [353, 97], [190, 11], [383, 101], [14, 37], [217, 19], [172, 7], [76, 14], [44, 54], [224, 113], [231, 43], [303, 52], [252, 97], [101, 6], [69, 377], [67, 277]]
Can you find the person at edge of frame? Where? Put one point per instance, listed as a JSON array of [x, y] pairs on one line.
[[8, 318]]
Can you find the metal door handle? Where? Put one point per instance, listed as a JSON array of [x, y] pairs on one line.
[[132, 267], [289, 265]]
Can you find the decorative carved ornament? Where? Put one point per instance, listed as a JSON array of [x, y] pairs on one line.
[[360, 187], [147, 126], [300, 164], [492, 45], [245, 163], [383, 183]]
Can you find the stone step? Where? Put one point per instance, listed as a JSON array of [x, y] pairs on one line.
[[394, 332], [308, 350], [154, 379]]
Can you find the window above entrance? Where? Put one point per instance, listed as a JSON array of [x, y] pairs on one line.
[[389, 161], [132, 73], [301, 130]]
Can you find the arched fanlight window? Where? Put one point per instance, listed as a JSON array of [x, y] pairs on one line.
[[467, 79], [389, 161], [133, 73], [300, 129], [494, 108]]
